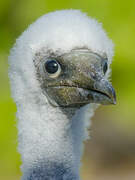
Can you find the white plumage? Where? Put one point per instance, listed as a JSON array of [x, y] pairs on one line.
[[48, 139]]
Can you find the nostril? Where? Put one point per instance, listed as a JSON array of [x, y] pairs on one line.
[[105, 67]]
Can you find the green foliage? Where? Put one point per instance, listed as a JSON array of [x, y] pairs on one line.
[[117, 17]]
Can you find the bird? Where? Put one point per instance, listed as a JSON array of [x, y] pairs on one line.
[[59, 70]]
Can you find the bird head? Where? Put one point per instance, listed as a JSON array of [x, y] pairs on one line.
[[75, 79], [69, 55]]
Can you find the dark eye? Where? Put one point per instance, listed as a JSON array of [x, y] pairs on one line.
[[105, 67], [53, 68]]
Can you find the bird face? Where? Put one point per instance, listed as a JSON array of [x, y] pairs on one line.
[[75, 79]]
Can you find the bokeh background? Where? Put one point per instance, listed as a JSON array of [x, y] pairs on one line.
[[110, 154]]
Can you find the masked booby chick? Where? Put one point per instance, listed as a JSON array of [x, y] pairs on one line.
[[58, 70]]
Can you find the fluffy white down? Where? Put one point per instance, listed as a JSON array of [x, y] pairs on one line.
[[38, 129]]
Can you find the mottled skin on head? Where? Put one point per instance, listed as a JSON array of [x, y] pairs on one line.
[[81, 79]]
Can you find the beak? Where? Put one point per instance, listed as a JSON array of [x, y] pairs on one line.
[[96, 88]]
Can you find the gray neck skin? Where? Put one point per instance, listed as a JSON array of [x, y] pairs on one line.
[[50, 142]]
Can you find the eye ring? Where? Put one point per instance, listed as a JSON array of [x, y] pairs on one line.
[[105, 67], [53, 68]]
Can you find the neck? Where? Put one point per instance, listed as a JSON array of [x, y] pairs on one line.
[[50, 141]]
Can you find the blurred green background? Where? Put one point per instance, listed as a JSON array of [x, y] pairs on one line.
[[110, 154]]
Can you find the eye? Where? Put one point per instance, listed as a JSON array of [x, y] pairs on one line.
[[53, 68], [105, 67]]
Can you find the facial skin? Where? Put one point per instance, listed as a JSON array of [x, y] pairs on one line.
[[75, 79]]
